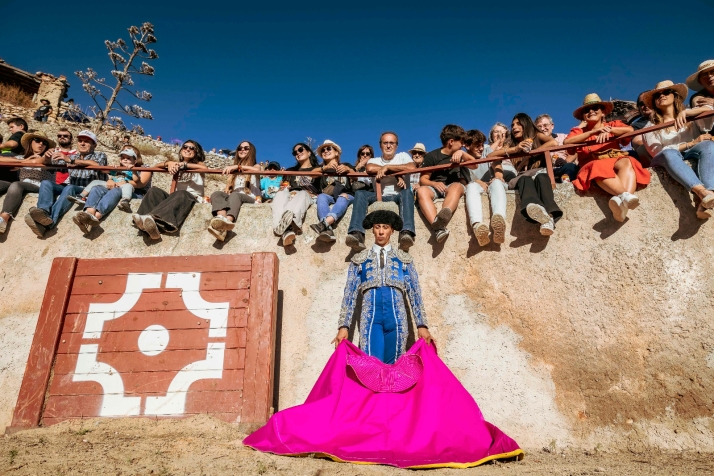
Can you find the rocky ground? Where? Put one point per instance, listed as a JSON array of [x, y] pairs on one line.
[[206, 446]]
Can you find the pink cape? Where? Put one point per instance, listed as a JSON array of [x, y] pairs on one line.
[[412, 414]]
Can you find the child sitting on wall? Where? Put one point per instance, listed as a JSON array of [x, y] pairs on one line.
[[125, 179], [269, 186]]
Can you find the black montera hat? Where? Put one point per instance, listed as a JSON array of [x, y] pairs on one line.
[[383, 217]]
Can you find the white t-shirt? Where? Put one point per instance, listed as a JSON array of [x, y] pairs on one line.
[[192, 182], [253, 188], [389, 183], [657, 141]]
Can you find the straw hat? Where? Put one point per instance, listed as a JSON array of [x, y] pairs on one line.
[[418, 147], [592, 99], [326, 143], [26, 138], [693, 80], [680, 88]]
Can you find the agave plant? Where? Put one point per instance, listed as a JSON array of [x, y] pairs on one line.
[[123, 59]]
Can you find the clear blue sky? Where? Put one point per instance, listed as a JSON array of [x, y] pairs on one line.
[[274, 73]]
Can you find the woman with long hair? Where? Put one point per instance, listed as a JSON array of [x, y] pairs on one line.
[[239, 190], [336, 194], [290, 204], [532, 182], [160, 211], [36, 145], [364, 153], [109, 194], [682, 142], [604, 163]]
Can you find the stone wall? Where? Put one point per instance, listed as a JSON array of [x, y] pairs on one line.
[[600, 336]]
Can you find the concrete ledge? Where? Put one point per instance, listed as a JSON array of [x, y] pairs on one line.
[[599, 336]]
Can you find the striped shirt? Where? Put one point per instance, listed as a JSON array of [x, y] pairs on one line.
[[80, 176]]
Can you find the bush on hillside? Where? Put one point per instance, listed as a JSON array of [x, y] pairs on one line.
[[16, 96]]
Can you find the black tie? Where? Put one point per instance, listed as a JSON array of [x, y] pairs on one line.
[[381, 259]]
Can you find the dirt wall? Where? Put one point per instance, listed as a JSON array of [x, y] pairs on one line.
[[597, 337]]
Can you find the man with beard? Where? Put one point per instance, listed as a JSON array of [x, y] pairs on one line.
[[61, 153]]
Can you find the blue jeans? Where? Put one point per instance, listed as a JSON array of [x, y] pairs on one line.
[[103, 200], [700, 173], [364, 199], [324, 208], [56, 208]]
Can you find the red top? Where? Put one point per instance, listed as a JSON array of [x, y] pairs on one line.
[[585, 154]]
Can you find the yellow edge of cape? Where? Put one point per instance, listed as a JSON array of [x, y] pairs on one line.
[[510, 454]]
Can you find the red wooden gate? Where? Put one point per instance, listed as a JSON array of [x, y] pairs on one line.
[[158, 337]]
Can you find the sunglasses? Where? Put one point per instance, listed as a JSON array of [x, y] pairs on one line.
[[38, 141], [596, 107], [297, 151], [247, 147], [365, 153], [63, 136], [666, 92], [189, 147], [416, 152], [327, 148]]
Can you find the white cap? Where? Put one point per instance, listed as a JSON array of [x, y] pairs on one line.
[[129, 152], [90, 134]]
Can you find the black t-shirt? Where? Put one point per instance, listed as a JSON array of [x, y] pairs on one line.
[[17, 137], [447, 176], [298, 182]]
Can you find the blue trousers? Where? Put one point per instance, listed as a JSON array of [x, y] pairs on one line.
[[328, 207], [56, 208], [700, 173], [363, 199], [103, 200], [383, 329]]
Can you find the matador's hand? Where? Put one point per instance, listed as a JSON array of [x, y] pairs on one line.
[[424, 333], [341, 335]]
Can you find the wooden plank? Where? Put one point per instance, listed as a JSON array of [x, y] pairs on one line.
[[138, 321], [90, 405], [126, 341], [167, 361], [117, 284], [260, 344], [173, 264], [44, 343], [159, 301], [146, 383], [227, 417]]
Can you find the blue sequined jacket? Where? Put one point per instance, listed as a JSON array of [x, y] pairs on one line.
[[399, 275]]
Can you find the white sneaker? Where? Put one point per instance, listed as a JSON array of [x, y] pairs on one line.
[[618, 207], [538, 213], [150, 227], [138, 221], [222, 223], [548, 228], [481, 231], [220, 235], [3, 225], [631, 201], [498, 223]]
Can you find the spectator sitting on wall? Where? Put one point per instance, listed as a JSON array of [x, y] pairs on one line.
[[269, 185], [241, 189], [364, 154], [703, 82], [392, 190], [336, 193], [449, 184], [493, 178], [61, 154], [613, 169], [163, 212], [36, 147], [684, 142], [537, 202], [12, 146], [48, 212], [417, 152], [497, 137], [563, 164], [44, 111]]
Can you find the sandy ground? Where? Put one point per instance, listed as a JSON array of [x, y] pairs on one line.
[[205, 446]]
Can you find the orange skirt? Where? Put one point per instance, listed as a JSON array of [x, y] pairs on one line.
[[600, 169]]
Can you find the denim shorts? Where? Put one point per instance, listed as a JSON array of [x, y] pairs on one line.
[[438, 194]]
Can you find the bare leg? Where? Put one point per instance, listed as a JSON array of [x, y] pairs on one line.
[[625, 180], [223, 213], [453, 195], [5, 216], [426, 203]]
